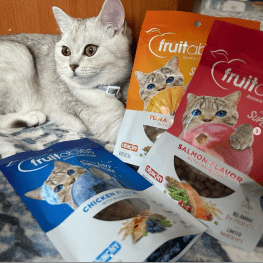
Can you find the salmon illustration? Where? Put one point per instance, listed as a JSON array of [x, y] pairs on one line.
[[195, 199]]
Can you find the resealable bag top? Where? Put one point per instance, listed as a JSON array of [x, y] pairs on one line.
[[169, 50], [93, 207], [213, 151]]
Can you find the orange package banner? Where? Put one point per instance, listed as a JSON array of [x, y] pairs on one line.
[[170, 47]]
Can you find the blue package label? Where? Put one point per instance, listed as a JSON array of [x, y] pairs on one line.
[[109, 252]]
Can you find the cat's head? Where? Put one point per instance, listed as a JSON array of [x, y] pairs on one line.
[[94, 51], [57, 187], [165, 77], [205, 109]]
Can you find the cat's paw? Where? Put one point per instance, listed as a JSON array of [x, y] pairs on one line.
[[242, 138], [34, 118]]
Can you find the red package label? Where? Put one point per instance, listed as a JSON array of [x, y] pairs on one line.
[[221, 112], [149, 170], [129, 147]]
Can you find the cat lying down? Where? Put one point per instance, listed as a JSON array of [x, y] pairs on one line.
[[64, 78]]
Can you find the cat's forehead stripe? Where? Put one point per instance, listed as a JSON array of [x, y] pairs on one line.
[[152, 78], [210, 102], [155, 77], [165, 70], [52, 181]]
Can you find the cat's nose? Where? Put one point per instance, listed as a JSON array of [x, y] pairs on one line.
[[69, 182], [207, 120], [72, 181], [74, 66], [161, 88]]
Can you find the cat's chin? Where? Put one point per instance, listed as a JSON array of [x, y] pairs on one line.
[[76, 81], [79, 80]]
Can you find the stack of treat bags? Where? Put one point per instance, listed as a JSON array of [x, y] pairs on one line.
[[205, 153]]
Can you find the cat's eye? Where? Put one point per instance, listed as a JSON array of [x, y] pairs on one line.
[[70, 172], [221, 113], [151, 86], [90, 50], [65, 51], [58, 188], [170, 80], [196, 112]]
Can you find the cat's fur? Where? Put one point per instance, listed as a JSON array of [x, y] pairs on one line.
[[159, 78], [38, 81], [243, 136]]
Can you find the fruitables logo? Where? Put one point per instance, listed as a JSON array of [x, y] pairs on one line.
[[228, 73], [162, 45]]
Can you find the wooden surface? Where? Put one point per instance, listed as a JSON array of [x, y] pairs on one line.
[[35, 16]]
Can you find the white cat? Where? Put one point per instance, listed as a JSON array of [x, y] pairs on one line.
[[57, 76]]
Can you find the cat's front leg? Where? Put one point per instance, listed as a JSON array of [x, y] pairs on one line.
[[104, 125], [242, 138]]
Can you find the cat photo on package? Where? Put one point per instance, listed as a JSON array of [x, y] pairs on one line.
[[65, 78], [73, 185], [152, 83], [207, 109]]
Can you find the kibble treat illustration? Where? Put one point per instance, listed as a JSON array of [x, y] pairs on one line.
[[144, 222], [190, 200]]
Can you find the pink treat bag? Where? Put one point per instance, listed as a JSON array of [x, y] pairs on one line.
[[231, 66]]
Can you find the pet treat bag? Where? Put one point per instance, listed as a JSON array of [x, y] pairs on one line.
[[170, 47], [94, 207], [210, 160]]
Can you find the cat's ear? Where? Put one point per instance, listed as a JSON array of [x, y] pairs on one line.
[[140, 76], [63, 20], [190, 99], [100, 174], [112, 15], [34, 194], [233, 98], [173, 63]]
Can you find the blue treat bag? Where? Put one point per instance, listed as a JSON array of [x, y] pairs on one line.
[[78, 191]]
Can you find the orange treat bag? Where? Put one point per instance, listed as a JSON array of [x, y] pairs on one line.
[[169, 50]]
